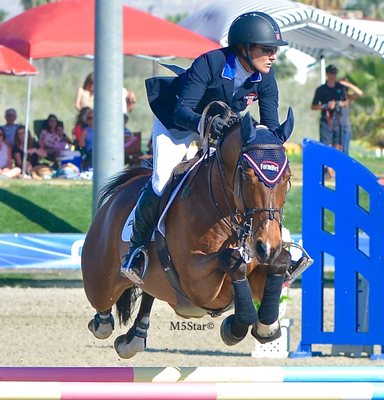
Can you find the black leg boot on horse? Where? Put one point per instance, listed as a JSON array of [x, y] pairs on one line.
[[235, 327], [145, 219], [267, 328]]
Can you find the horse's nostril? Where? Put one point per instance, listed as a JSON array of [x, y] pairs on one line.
[[261, 250]]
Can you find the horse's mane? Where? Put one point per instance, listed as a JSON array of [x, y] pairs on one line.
[[119, 180]]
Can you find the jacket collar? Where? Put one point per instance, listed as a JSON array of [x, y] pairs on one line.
[[229, 70]]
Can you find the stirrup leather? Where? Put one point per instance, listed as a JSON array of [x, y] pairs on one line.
[[128, 272]]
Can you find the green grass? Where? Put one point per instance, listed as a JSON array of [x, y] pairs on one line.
[[55, 206], [64, 206]]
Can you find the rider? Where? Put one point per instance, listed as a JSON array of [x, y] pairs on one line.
[[238, 75]]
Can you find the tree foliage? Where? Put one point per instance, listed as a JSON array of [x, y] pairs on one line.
[[284, 68], [367, 112], [370, 8], [34, 3], [328, 5], [3, 15]]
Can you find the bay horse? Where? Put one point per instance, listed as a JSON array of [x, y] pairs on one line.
[[223, 242]]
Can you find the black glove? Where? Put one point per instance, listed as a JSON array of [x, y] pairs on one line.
[[218, 126]]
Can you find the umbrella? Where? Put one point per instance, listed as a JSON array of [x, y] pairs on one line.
[[67, 28], [308, 29], [12, 63]]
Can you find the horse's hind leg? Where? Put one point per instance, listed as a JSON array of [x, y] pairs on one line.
[[135, 339], [267, 328], [235, 327], [102, 324]]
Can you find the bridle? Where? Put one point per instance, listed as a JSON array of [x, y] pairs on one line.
[[241, 221]]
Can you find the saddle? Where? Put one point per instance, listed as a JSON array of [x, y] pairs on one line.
[[184, 305]]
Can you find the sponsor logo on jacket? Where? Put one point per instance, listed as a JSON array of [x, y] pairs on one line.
[[250, 98]]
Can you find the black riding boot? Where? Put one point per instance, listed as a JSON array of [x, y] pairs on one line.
[[144, 221]]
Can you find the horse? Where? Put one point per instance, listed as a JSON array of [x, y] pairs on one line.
[[222, 247]]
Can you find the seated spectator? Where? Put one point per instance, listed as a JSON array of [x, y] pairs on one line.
[[10, 125], [34, 152], [85, 143], [52, 138], [80, 124], [6, 163], [127, 131]]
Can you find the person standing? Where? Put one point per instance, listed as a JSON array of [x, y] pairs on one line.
[[85, 95], [330, 98], [129, 100]]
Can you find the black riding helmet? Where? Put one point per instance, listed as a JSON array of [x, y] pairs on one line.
[[254, 28]]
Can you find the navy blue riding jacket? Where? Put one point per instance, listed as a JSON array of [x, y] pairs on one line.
[[178, 102]]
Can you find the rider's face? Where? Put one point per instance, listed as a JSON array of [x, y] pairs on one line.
[[262, 57]]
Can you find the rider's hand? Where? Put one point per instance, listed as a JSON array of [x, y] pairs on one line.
[[217, 127]]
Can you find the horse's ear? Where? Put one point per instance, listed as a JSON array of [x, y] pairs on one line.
[[284, 131], [248, 132]]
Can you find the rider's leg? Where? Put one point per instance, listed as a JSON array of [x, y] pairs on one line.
[[144, 221], [167, 153]]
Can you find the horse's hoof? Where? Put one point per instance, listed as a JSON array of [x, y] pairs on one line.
[[226, 332], [127, 346], [273, 335], [101, 331]]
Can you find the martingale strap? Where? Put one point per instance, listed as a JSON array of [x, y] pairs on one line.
[[268, 161]]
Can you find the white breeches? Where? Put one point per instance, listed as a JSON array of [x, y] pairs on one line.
[[167, 153]]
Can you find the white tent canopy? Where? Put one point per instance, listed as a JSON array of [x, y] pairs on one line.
[[308, 29]]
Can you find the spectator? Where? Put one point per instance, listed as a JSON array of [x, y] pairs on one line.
[[129, 101], [86, 142], [353, 92], [127, 131], [6, 163], [80, 124], [34, 152], [10, 126], [330, 98], [84, 95], [52, 138]]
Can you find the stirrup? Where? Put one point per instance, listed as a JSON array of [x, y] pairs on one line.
[[127, 271], [296, 269]]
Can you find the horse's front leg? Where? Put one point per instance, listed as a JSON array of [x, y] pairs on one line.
[[102, 324], [235, 327], [267, 328], [135, 339]]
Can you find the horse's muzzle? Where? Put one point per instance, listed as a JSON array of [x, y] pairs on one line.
[[265, 252]]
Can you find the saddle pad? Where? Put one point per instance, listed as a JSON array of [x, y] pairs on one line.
[[126, 233]]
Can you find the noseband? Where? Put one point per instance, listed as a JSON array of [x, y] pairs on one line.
[[241, 221]]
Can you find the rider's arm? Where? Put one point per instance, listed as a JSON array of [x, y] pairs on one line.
[[197, 80], [269, 101]]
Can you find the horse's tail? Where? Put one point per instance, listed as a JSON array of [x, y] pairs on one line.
[[120, 179], [125, 305]]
